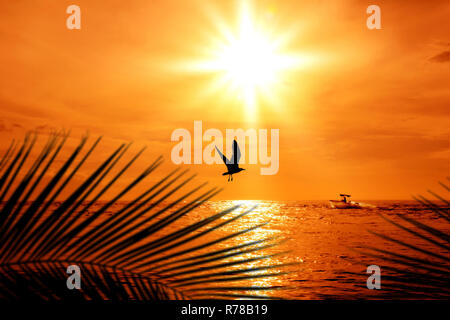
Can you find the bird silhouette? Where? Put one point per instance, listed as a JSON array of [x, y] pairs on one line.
[[232, 165]]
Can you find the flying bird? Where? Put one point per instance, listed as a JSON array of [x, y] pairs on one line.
[[232, 165]]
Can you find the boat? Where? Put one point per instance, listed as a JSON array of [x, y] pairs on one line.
[[344, 203]]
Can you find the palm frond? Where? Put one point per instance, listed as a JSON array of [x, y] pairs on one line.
[[136, 250], [423, 271]]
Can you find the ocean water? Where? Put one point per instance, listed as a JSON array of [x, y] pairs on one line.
[[323, 241], [322, 252]]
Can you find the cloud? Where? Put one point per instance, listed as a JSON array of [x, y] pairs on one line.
[[442, 57], [8, 127]]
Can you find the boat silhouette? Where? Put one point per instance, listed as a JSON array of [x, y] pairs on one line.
[[344, 203]]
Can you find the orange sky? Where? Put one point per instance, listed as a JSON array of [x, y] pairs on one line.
[[369, 116]]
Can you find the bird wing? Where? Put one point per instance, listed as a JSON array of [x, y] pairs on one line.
[[225, 160], [236, 153]]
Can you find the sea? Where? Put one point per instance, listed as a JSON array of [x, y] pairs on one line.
[[310, 250], [330, 246]]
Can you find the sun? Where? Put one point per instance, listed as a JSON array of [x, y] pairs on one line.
[[250, 62]]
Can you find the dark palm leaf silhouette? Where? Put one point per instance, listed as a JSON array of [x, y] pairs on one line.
[[421, 272], [137, 252]]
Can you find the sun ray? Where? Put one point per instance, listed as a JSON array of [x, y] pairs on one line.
[[250, 63]]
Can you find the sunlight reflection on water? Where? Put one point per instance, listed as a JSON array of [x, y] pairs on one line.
[[318, 239], [258, 214]]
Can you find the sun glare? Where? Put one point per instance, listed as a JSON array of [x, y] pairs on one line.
[[250, 62]]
